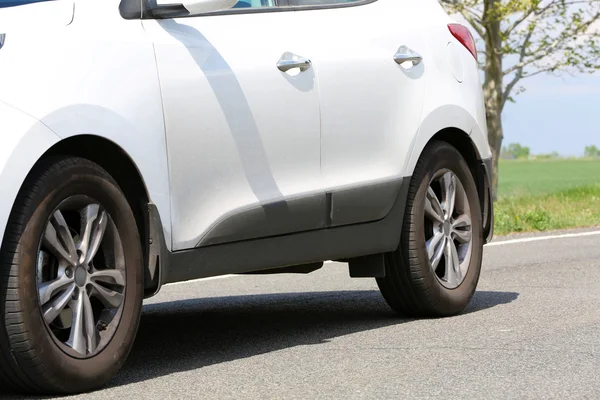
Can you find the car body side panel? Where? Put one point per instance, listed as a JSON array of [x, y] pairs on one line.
[[377, 116], [22, 146], [104, 82], [450, 102], [97, 76]]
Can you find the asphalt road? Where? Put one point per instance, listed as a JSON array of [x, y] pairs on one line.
[[532, 331]]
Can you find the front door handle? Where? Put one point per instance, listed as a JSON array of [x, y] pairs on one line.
[[404, 54], [290, 61]]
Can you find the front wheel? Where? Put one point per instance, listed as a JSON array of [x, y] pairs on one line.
[[434, 272], [71, 288]]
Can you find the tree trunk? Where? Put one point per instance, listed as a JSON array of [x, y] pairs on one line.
[[493, 85], [495, 136]]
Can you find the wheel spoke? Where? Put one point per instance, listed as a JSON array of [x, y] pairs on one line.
[[77, 339], [47, 290], [433, 208], [435, 249], [464, 221], [461, 229], [456, 263], [58, 240], [90, 326], [449, 272], [463, 236], [111, 276], [93, 226], [453, 272], [110, 298], [52, 309], [449, 193]]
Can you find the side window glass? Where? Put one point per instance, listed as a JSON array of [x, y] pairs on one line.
[[318, 2], [14, 3], [253, 3]]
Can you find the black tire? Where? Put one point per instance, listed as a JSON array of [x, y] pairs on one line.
[[31, 361], [410, 286]]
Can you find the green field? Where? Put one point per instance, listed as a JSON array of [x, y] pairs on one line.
[[547, 194], [546, 176]]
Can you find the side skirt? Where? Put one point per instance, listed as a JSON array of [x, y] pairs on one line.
[[346, 242], [343, 242]]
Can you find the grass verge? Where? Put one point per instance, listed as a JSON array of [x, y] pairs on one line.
[[570, 208]]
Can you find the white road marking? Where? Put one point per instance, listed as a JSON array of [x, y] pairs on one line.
[[501, 243], [540, 238]]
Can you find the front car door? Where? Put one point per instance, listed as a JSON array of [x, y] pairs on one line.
[[243, 135]]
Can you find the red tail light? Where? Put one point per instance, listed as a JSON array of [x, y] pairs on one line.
[[463, 35]]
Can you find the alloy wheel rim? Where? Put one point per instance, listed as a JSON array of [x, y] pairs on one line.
[[448, 229], [81, 276]]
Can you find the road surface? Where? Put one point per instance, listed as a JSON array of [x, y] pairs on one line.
[[532, 331]]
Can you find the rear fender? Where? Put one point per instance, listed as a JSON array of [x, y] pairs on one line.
[[444, 117]]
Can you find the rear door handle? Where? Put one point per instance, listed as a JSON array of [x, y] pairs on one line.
[[404, 54], [290, 61]]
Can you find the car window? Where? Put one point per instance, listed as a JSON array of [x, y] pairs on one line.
[[319, 2], [13, 3], [254, 3]]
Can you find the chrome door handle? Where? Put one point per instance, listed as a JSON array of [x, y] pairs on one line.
[[290, 61], [404, 54]]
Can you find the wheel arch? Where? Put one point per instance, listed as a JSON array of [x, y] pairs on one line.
[[455, 125], [460, 140], [118, 163], [463, 142]]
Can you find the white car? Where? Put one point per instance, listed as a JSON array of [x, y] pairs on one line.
[[145, 143]]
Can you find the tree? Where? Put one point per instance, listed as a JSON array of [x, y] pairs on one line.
[[548, 156], [592, 151], [515, 151], [524, 38]]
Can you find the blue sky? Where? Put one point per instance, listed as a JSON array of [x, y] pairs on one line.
[[555, 114]]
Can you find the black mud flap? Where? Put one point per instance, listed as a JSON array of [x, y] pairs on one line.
[[484, 180]]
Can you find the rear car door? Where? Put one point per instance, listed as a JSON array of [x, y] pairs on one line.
[[242, 132], [371, 106]]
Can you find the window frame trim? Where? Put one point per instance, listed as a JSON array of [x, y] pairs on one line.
[[354, 3], [282, 6]]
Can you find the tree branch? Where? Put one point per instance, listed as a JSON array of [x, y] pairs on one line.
[[527, 59], [519, 71]]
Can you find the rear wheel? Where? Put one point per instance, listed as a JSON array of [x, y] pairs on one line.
[[71, 288], [436, 268]]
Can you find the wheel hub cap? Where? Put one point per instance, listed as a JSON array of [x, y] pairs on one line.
[[447, 228], [80, 276]]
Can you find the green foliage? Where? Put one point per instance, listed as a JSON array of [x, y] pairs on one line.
[[551, 156], [592, 151], [545, 195], [534, 36], [515, 151], [570, 208]]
